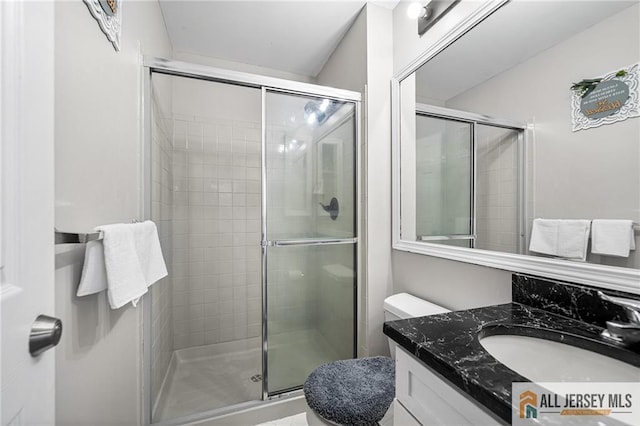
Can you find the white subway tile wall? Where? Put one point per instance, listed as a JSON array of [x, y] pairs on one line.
[[216, 212]]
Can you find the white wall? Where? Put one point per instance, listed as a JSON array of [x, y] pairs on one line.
[[350, 54], [378, 171], [237, 66], [452, 284], [97, 181]]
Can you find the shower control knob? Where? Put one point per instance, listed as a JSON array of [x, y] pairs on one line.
[[333, 208], [45, 334]]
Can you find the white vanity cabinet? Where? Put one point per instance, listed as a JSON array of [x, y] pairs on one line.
[[423, 398]]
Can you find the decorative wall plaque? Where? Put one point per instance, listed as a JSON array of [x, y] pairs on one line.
[[609, 99], [108, 13]]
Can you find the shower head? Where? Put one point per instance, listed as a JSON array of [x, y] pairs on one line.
[[317, 112]]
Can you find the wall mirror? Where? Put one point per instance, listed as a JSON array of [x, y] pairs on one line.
[[483, 141]]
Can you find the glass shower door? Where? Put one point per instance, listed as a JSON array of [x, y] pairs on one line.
[[309, 236], [444, 181]]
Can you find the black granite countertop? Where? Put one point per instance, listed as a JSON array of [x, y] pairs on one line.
[[449, 343]]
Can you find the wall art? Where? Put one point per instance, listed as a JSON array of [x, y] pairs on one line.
[[108, 13], [606, 100]]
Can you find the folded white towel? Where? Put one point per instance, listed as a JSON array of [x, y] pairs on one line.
[[124, 275], [544, 236], [131, 261], [573, 238], [612, 237], [566, 238], [149, 251], [94, 273]]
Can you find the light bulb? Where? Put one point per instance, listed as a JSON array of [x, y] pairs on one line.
[[311, 118], [324, 105], [414, 10]]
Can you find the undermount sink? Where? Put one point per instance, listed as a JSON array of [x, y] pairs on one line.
[[541, 360]]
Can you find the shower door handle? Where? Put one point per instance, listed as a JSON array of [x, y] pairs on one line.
[[445, 237], [309, 242]]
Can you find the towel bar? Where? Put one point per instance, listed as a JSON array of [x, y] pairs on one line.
[[76, 238]]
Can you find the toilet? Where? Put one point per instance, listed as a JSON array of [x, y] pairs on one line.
[[403, 306], [398, 306]]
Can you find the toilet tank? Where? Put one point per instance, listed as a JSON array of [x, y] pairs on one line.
[[404, 305]]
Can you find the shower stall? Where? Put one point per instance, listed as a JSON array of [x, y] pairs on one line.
[[252, 182]]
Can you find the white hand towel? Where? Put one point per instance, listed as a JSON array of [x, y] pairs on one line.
[[125, 279], [544, 236], [149, 252], [573, 238], [94, 273], [125, 262], [612, 237], [566, 238]]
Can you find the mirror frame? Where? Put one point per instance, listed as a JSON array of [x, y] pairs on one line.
[[609, 277]]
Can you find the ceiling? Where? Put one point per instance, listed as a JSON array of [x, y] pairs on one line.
[[516, 32], [298, 36], [291, 36]]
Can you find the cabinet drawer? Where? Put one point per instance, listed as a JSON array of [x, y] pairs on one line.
[[431, 400]]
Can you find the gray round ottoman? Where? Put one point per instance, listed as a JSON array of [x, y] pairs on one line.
[[352, 392]]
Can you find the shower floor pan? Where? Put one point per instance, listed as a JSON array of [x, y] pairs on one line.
[[221, 375]]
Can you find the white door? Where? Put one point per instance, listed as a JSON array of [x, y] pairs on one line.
[[26, 212]]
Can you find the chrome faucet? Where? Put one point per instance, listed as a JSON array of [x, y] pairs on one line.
[[626, 333]]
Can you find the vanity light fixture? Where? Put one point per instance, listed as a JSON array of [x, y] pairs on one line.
[[429, 13], [416, 10]]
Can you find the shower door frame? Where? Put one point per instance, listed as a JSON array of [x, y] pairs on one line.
[[474, 119], [267, 243], [152, 64]]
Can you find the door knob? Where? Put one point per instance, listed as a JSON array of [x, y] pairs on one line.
[[45, 334]]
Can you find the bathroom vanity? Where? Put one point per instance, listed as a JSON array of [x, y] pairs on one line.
[[424, 397], [445, 375]]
